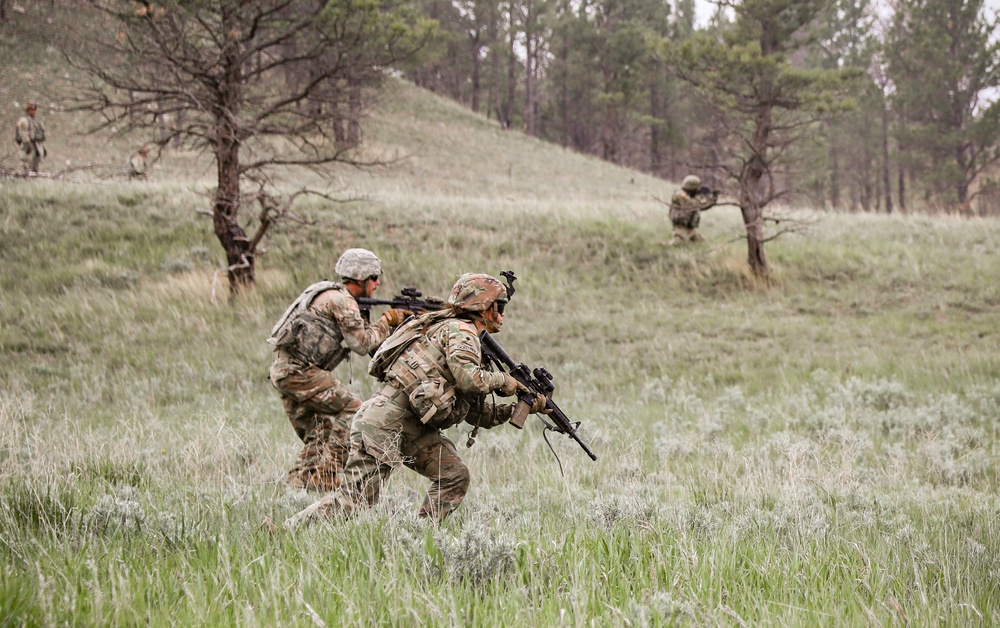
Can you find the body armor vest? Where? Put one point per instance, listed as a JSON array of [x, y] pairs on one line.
[[308, 337]]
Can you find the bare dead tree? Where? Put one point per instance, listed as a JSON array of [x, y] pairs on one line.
[[258, 84]]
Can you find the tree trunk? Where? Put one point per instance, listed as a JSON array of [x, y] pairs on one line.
[[834, 172], [354, 113], [901, 181], [511, 65], [476, 69], [886, 174], [493, 96], [753, 174], [225, 214], [654, 126], [225, 219], [530, 63], [564, 103]]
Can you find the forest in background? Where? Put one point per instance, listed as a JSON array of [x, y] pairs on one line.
[[916, 128], [920, 132]]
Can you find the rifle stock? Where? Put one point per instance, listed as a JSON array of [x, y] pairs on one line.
[[538, 382]]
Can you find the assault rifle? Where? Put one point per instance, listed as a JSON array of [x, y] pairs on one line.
[[538, 382], [408, 299]]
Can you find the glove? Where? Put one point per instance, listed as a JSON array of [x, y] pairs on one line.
[[538, 405], [510, 385], [395, 317]]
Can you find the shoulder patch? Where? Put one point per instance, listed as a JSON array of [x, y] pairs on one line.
[[467, 326]]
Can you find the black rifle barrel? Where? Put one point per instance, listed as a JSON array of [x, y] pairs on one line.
[[523, 374]]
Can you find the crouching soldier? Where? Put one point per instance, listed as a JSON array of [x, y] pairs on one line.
[[317, 331], [434, 378], [686, 206]]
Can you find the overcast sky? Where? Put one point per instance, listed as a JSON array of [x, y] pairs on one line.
[[703, 9]]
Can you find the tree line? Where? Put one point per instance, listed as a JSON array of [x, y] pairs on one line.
[[916, 129]]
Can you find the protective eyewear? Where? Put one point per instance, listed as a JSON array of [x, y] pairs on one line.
[[500, 306]]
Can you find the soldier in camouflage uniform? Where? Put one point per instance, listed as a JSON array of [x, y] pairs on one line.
[[30, 137], [434, 379], [686, 206], [317, 331], [136, 166]]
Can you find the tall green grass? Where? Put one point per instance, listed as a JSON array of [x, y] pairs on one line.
[[819, 449]]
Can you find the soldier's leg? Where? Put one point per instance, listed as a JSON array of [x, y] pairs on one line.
[[696, 236], [316, 465], [374, 455], [26, 159], [681, 234], [320, 410], [377, 437], [435, 457]]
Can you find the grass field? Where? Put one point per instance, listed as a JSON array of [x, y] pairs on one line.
[[821, 450]]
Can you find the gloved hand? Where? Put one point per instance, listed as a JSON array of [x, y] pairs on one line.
[[538, 405], [510, 385], [395, 317]]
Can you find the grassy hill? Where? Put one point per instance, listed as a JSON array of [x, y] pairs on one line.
[[819, 450]]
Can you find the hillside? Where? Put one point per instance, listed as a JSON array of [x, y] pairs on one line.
[[434, 145], [821, 449]]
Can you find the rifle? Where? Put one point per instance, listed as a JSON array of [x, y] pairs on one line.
[[538, 382], [408, 299]]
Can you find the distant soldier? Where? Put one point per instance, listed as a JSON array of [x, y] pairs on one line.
[[317, 331], [686, 206], [30, 137], [137, 163]]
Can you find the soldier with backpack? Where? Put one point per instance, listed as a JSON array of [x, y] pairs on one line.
[[434, 378], [317, 331], [30, 138]]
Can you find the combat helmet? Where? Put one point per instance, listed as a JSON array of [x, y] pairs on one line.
[[691, 183], [358, 264], [476, 292]]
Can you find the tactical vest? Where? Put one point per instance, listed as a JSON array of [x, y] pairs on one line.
[[412, 363], [307, 336]]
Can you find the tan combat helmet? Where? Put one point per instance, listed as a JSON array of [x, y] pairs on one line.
[[691, 183], [358, 264], [476, 292]]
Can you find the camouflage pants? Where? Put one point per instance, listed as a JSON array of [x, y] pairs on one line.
[[684, 234], [687, 220], [30, 158], [320, 410], [387, 434]]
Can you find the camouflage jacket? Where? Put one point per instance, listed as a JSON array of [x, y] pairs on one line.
[[29, 130], [686, 210], [136, 166], [321, 335], [439, 365]]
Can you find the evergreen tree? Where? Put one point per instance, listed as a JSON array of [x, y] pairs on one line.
[[765, 103], [944, 56]]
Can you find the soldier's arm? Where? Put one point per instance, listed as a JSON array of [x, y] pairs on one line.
[[359, 336], [464, 357], [486, 418], [23, 131]]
